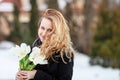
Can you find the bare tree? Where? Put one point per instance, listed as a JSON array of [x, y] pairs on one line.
[[89, 13], [52, 4]]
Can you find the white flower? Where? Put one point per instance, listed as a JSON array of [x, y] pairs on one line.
[[25, 60], [40, 60], [36, 56], [35, 52], [22, 50]]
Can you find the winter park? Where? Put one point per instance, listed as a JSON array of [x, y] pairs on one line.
[[82, 69], [88, 28]]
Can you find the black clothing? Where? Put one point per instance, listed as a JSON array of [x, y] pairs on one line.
[[55, 69]]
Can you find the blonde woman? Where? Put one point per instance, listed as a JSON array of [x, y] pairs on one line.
[[55, 43]]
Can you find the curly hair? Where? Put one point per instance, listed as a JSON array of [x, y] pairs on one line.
[[60, 40]]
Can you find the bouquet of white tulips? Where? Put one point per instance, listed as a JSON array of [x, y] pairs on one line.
[[28, 58]]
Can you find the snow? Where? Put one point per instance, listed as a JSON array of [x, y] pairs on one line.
[[8, 61], [7, 7], [82, 69]]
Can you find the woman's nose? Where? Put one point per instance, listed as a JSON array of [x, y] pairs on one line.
[[44, 33]]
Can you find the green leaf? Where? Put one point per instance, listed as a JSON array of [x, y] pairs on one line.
[[26, 64], [30, 66], [23, 61]]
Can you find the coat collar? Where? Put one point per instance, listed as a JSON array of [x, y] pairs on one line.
[[37, 42]]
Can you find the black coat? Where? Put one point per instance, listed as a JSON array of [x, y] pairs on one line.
[[54, 70]]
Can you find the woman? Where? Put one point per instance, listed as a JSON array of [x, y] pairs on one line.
[[54, 41]]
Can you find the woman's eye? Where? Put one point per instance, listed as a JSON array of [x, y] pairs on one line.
[[42, 28], [49, 30]]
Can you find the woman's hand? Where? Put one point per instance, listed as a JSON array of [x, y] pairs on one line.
[[19, 76], [25, 75]]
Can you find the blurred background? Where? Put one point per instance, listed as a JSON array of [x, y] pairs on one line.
[[94, 25]]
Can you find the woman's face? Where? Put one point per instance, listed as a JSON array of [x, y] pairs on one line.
[[45, 29]]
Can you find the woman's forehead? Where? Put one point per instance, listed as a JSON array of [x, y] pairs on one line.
[[46, 23]]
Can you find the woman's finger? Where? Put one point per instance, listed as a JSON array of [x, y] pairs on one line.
[[24, 77], [24, 73], [18, 77]]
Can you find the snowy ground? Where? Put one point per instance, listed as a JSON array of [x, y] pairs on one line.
[[82, 69]]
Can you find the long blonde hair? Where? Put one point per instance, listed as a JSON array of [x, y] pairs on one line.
[[60, 40]]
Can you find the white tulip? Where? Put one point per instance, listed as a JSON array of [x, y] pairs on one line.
[[40, 60], [25, 48], [36, 50], [21, 51], [36, 56]]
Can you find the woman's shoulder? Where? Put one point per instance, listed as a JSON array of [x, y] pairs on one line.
[[61, 58]]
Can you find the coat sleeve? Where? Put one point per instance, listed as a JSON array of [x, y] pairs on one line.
[[64, 72]]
